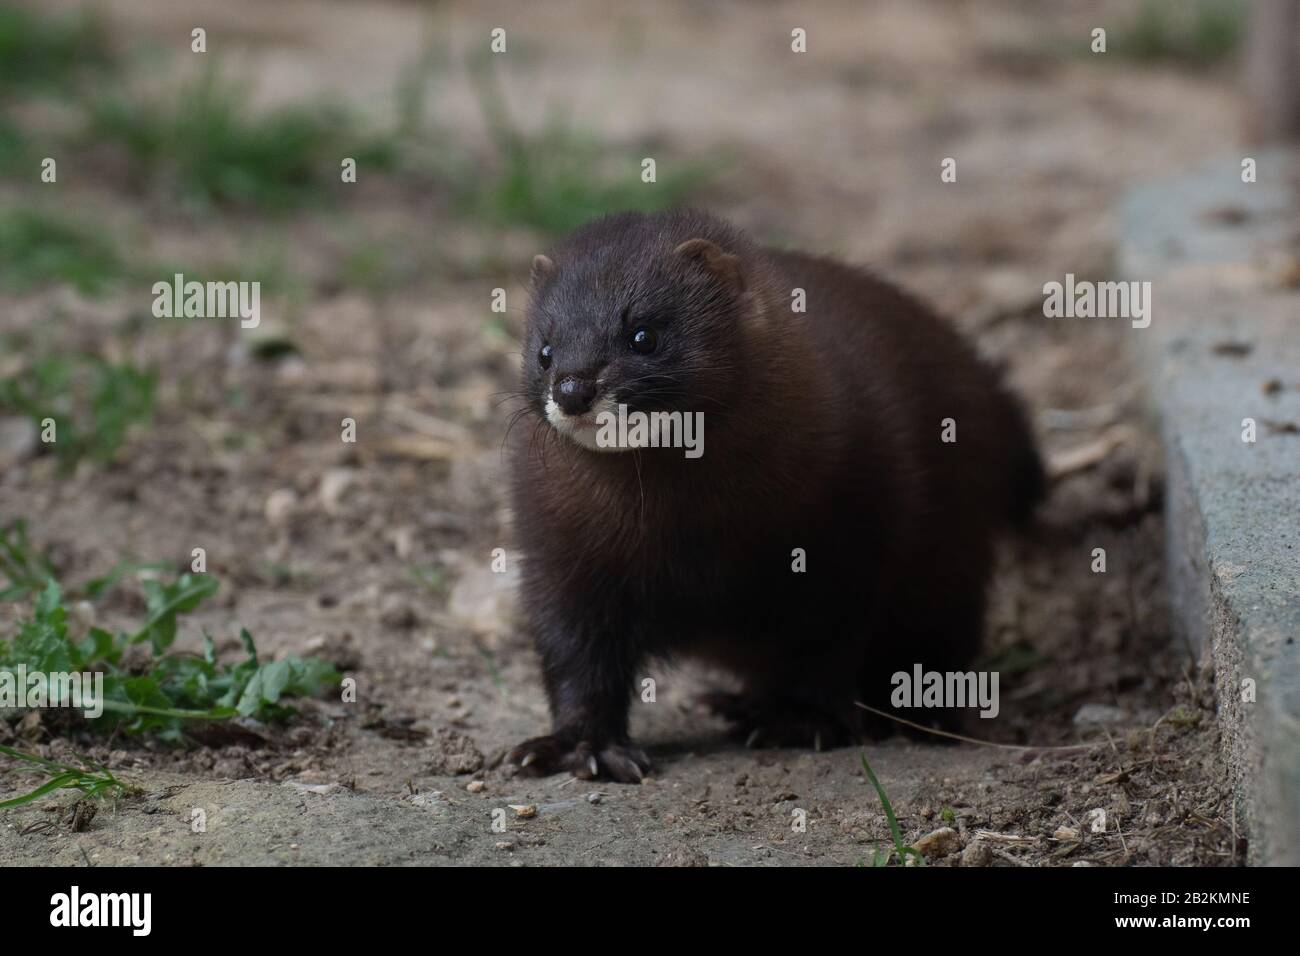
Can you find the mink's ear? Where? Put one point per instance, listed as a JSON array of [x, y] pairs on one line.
[[543, 269], [722, 264]]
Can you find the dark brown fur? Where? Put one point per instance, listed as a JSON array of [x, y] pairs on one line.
[[822, 432]]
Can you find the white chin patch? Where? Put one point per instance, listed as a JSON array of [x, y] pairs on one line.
[[581, 429]]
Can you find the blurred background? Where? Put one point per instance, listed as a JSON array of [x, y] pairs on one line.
[[376, 295]]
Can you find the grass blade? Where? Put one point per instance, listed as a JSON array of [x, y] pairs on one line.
[[902, 849]]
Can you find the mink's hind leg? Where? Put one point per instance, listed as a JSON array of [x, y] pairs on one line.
[[785, 719], [941, 633], [797, 679]]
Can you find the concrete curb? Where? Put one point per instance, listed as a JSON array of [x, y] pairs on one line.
[[1223, 347]]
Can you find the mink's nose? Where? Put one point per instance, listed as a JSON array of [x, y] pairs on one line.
[[574, 395]]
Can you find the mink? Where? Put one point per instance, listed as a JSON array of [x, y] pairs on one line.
[[828, 535]]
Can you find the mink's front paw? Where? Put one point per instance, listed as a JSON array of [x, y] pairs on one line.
[[555, 753]]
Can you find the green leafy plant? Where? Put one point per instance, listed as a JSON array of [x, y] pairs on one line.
[[160, 694], [901, 849], [24, 572]]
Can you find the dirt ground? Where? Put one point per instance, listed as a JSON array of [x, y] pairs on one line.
[[377, 555]]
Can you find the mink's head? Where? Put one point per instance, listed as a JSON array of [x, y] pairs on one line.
[[637, 310]]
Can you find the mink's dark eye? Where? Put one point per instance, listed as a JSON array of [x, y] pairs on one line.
[[643, 340], [544, 357]]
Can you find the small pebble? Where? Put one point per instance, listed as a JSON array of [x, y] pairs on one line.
[[939, 843], [280, 505], [977, 853]]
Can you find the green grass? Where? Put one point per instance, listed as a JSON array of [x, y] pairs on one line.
[[91, 781], [94, 403], [205, 143], [411, 93], [1191, 31], [43, 53], [559, 177], [376, 267], [901, 850], [1013, 660], [15, 150], [38, 248], [23, 572]]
